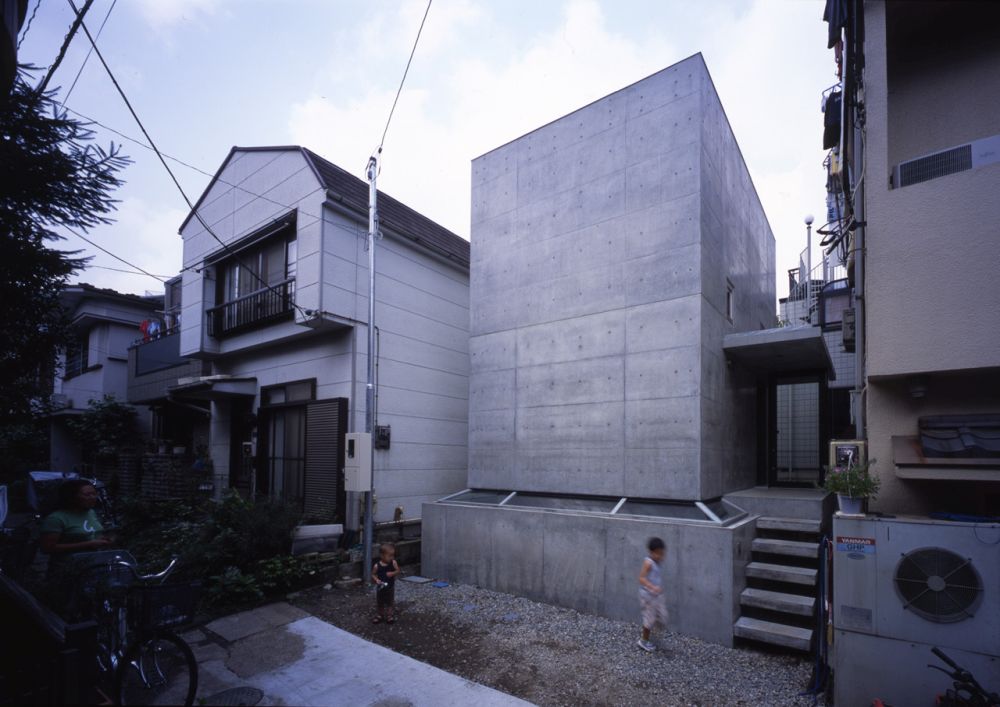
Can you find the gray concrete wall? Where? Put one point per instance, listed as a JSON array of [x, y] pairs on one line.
[[738, 254], [602, 246], [591, 563]]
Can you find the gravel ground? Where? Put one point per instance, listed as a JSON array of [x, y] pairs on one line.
[[554, 656]]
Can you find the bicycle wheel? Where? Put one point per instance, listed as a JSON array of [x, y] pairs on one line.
[[159, 670]]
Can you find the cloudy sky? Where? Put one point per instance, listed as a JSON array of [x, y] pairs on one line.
[[205, 75]]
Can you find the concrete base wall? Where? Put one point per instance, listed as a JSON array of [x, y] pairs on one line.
[[591, 563]]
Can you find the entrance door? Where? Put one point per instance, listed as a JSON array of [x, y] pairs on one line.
[[286, 452], [796, 431]]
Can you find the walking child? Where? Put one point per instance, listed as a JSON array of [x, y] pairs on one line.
[[651, 598], [384, 574]]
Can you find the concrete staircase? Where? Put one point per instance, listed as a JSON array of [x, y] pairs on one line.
[[778, 606]]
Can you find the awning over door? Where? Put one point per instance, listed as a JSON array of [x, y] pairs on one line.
[[780, 350], [213, 388]]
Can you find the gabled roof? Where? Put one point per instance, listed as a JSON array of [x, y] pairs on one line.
[[352, 192], [72, 295]]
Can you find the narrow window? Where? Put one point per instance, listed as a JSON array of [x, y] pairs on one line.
[[729, 300]]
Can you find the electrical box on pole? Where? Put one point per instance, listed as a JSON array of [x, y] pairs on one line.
[[358, 462]]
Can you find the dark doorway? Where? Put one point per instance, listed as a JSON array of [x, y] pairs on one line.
[[798, 429], [242, 422]]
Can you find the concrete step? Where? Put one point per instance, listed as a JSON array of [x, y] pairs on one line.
[[778, 601], [791, 525], [791, 548], [782, 573], [773, 633]]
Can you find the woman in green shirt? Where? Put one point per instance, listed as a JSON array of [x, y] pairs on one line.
[[74, 527]]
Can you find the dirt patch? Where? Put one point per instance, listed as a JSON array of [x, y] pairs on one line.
[[553, 656]]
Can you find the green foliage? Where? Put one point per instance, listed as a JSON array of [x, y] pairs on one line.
[[282, 574], [53, 176], [855, 481], [232, 587], [241, 547], [106, 427]]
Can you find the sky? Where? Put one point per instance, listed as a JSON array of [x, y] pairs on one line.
[[204, 75]]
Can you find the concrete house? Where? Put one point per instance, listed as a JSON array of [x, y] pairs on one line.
[[615, 253], [105, 324], [275, 302]]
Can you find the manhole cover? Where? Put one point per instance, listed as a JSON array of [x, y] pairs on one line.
[[235, 696]]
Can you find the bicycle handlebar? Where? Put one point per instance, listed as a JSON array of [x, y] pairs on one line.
[[941, 654], [163, 574]]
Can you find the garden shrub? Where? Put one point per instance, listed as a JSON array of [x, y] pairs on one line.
[[242, 547]]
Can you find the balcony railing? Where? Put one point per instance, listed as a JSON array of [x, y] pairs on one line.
[[270, 304], [158, 352]]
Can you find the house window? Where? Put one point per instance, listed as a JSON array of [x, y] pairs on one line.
[[77, 357], [729, 300], [256, 286], [267, 266], [296, 392]]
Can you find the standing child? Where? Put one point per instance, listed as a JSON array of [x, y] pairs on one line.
[[651, 598], [384, 574]]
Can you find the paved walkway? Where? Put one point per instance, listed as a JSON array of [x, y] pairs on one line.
[[297, 659]]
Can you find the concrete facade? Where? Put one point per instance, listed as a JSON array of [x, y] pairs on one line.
[[931, 257], [590, 563], [421, 310], [612, 252], [605, 245]]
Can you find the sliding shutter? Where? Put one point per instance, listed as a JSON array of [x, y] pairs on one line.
[[326, 424]]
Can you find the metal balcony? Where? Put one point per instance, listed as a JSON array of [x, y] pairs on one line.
[[265, 306]]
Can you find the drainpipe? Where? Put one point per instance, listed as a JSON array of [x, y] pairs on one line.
[[370, 387], [859, 231], [859, 286]]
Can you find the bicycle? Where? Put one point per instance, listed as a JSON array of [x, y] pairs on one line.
[[144, 661], [965, 690]]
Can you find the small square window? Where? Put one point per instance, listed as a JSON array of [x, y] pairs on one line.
[[729, 300]]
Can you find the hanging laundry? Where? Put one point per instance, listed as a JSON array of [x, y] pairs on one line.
[[835, 14], [831, 120]]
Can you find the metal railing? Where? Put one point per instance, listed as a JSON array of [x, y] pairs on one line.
[[269, 304], [808, 289]]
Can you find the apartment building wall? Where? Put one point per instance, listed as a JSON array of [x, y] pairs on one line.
[[932, 258], [603, 247]]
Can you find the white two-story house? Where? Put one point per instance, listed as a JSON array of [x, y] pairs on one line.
[[275, 299]]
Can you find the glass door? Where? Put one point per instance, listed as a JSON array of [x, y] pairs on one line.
[[795, 458]]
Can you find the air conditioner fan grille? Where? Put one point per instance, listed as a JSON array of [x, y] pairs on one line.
[[938, 585]]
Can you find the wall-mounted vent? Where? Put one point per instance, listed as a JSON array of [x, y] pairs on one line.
[[960, 158]]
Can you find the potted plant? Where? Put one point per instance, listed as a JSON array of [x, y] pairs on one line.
[[852, 484]]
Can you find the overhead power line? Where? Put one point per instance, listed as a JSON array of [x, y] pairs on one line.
[[116, 257], [89, 52], [65, 45], [27, 27], [405, 72]]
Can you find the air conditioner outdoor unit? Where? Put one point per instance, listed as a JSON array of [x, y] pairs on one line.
[[903, 586], [949, 161]]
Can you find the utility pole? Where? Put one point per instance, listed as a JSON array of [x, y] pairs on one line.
[[373, 232]]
